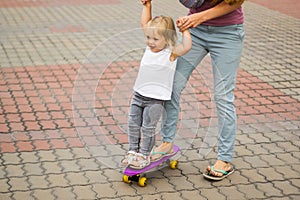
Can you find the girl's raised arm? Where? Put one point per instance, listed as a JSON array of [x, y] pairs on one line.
[[146, 12], [186, 44]]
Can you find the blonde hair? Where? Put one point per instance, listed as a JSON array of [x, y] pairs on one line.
[[230, 2], [165, 27]]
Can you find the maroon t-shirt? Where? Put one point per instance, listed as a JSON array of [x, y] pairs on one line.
[[235, 17]]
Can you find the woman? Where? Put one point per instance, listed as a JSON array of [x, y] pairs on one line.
[[216, 28]]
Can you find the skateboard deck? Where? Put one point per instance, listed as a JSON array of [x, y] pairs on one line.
[[134, 174], [131, 172]]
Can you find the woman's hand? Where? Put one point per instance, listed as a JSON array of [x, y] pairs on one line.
[[190, 21]]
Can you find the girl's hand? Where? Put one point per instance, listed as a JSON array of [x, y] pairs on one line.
[[180, 23], [145, 1]]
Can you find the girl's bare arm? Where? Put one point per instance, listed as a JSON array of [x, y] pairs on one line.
[[185, 46], [146, 13]]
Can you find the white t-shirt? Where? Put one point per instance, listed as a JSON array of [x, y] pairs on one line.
[[156, 74]]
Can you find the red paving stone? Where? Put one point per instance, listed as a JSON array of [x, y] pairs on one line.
[[41, 118], [288, 7]]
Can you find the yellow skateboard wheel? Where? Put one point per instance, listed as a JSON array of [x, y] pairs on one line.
[[173, 164], [126, 179], [142, 181]]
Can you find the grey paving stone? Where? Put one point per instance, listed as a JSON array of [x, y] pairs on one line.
[[80, 153], [255, 161], [43, 194], [69, 165], [63, 154], [286, 187], [57, 180], [33, 169], [4, 186], [52, 167], [95, 176], [122, 189], [103, 190], [237, 178], [84, 192], [272, 160], [14, 170], [46, 155], [38, 182], [269, 189], [63, 192], [5, 196], [287, 158], [76, 178], [29, 157], [212, 194], [88, 164], [295, 182], [270, 174], [250, 192], [173, 195], [177, 182], [18, 195], [232, 193], [252, 175], [11, 158], [19, 184]]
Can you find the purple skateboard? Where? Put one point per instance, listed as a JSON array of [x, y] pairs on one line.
[[131, 174]]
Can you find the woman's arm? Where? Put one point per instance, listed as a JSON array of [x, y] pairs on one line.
[[220, 9]]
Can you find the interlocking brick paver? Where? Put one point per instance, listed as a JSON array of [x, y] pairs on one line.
[[18, 184], [252, 175], [269, 189], [121, 189], [287, 158], [33, 169], [212, 194], [4, 186], [232, 193], [250, 192], [57, 180], [76, 178], [52, 167], [38, 182], [177, 182], [286, 187], [22, 195], [272, 160], [15, 171], [174, 195], [10, 158], [63, 192], [43, 194], [270, 174]]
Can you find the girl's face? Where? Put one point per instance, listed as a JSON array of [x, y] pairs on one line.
[[155, 41]]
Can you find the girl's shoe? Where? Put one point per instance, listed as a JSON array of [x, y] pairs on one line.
[[128, 158], [141, 161]]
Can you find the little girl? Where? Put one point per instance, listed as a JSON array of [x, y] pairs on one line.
[[154, 83]]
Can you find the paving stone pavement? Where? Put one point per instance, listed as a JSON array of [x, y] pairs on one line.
[[66, 73]]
